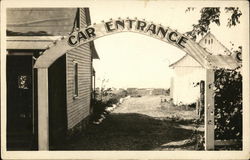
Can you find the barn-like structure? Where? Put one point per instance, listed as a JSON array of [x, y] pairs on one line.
[[188, 72]]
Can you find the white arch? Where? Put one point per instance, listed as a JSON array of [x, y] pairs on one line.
[[62, 46]]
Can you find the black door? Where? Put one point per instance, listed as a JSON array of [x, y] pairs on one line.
[[20, 118]]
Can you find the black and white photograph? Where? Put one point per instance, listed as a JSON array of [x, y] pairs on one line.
[[125, 79]]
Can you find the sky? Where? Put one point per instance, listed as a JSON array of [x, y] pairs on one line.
[[134, 60]]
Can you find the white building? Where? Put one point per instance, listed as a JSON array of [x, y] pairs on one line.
[[188, 72]]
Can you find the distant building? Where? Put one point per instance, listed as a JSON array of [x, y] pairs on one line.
[[30, 31], [132, 91], [146, 91], [159, 91], [188, 72]]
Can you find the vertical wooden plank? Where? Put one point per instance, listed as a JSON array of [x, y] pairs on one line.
[[209, 110], [202, 98], [43, 106], [94, 84]]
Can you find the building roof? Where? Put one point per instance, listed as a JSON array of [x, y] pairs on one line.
[[38, 43], [179, 60], [45, 20], [226, 60], [219, 61], [213, 45], [93, 50], [37, 28]]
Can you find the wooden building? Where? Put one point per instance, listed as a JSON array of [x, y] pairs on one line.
[[31, 31], [188, 72]]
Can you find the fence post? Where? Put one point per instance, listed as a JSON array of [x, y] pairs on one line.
[[202, 98], [43, 109], [209, 110]]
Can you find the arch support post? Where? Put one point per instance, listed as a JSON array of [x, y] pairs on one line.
[[43, 109], [209, 110]]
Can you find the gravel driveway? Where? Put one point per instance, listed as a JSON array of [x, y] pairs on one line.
[[139, 123]]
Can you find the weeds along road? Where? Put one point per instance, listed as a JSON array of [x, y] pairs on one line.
[[138, 124]]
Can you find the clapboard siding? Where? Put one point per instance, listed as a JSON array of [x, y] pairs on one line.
[[83, 21], [78, 108]]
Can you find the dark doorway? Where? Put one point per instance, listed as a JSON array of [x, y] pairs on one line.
[[57, 103], [20, 111]]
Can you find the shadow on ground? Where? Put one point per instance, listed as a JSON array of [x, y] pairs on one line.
[[132, 131]]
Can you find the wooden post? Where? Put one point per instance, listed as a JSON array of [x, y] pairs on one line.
[[94, 84], [43, 107], [197, 107], [202, 98], [209, 110]]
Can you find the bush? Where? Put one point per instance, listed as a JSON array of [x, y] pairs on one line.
[[228, 108], [228, 104], [192, 105], [98, 108], [105, 98]]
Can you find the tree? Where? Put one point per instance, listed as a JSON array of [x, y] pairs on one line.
[[228, 83], [211, 15]]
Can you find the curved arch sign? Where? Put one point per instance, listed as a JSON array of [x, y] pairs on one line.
[[94, 31], [128, 25]]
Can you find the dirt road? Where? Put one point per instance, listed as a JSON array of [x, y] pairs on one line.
[[151, 106], [139, 124]]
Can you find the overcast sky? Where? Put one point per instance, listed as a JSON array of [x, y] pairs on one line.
[[134, 60]]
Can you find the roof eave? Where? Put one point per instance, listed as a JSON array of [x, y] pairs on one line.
[[93, 50], [30, 42], [176, 62]]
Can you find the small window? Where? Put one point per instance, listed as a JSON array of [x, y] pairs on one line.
[[23, 82], [205, 41], [211, 41], [208, 41], [75, 78]]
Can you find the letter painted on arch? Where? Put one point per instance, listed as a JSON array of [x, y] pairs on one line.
[[127, 25], [112, 26]]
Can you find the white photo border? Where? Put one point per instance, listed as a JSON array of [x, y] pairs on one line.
[[244, 154]]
